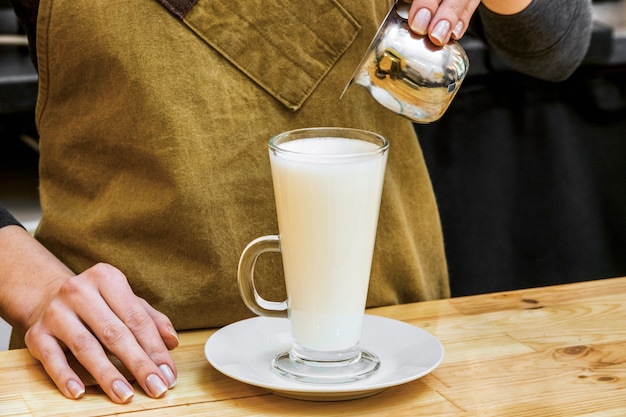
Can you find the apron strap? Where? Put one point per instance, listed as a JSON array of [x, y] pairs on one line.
[[178, 8]]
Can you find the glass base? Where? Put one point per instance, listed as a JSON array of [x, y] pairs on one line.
[[292, 366]]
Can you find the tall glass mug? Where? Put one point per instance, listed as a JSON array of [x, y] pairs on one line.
[[327, 184]]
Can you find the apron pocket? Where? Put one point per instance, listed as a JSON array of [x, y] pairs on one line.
[[285, 46]]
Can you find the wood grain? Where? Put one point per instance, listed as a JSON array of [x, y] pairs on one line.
[[553, 351]]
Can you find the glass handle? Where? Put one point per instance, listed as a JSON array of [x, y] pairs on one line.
[[245, 277]]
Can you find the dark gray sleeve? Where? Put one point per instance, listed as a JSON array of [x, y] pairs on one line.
[[6, 218], [548, 40]]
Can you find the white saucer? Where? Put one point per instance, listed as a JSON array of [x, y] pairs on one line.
[[244, 351]]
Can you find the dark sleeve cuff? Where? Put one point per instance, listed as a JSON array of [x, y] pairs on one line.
[[7, 219], [547, 40]]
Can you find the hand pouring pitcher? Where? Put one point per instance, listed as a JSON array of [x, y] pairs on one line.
[[407, 73]]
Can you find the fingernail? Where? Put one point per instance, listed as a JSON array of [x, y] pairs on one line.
[[75, 389], [441, 31], [171, 331], [421, 21], [123, 391], [169, 375], [156, 386], [458, 29]]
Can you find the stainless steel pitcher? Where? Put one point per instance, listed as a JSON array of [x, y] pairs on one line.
[[407, 73]]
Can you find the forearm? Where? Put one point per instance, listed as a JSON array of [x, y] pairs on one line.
[[29, 274]]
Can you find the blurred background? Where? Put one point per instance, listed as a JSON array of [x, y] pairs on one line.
[[18, 157], [529, 176]]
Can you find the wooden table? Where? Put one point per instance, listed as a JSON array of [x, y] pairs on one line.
[[554, 351]]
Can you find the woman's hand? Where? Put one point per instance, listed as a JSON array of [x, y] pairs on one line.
[[90, 314], [96, 312], [441, 20]]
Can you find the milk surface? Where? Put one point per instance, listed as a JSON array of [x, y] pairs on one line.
[[327, 216]]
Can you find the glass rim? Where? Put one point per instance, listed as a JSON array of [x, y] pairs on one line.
[[330, 132]]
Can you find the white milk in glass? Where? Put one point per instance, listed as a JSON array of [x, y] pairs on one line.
[[327, 216]]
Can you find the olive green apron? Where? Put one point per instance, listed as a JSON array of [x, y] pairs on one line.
[[154, 130]]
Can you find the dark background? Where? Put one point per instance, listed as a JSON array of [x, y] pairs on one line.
[[530, 179]]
